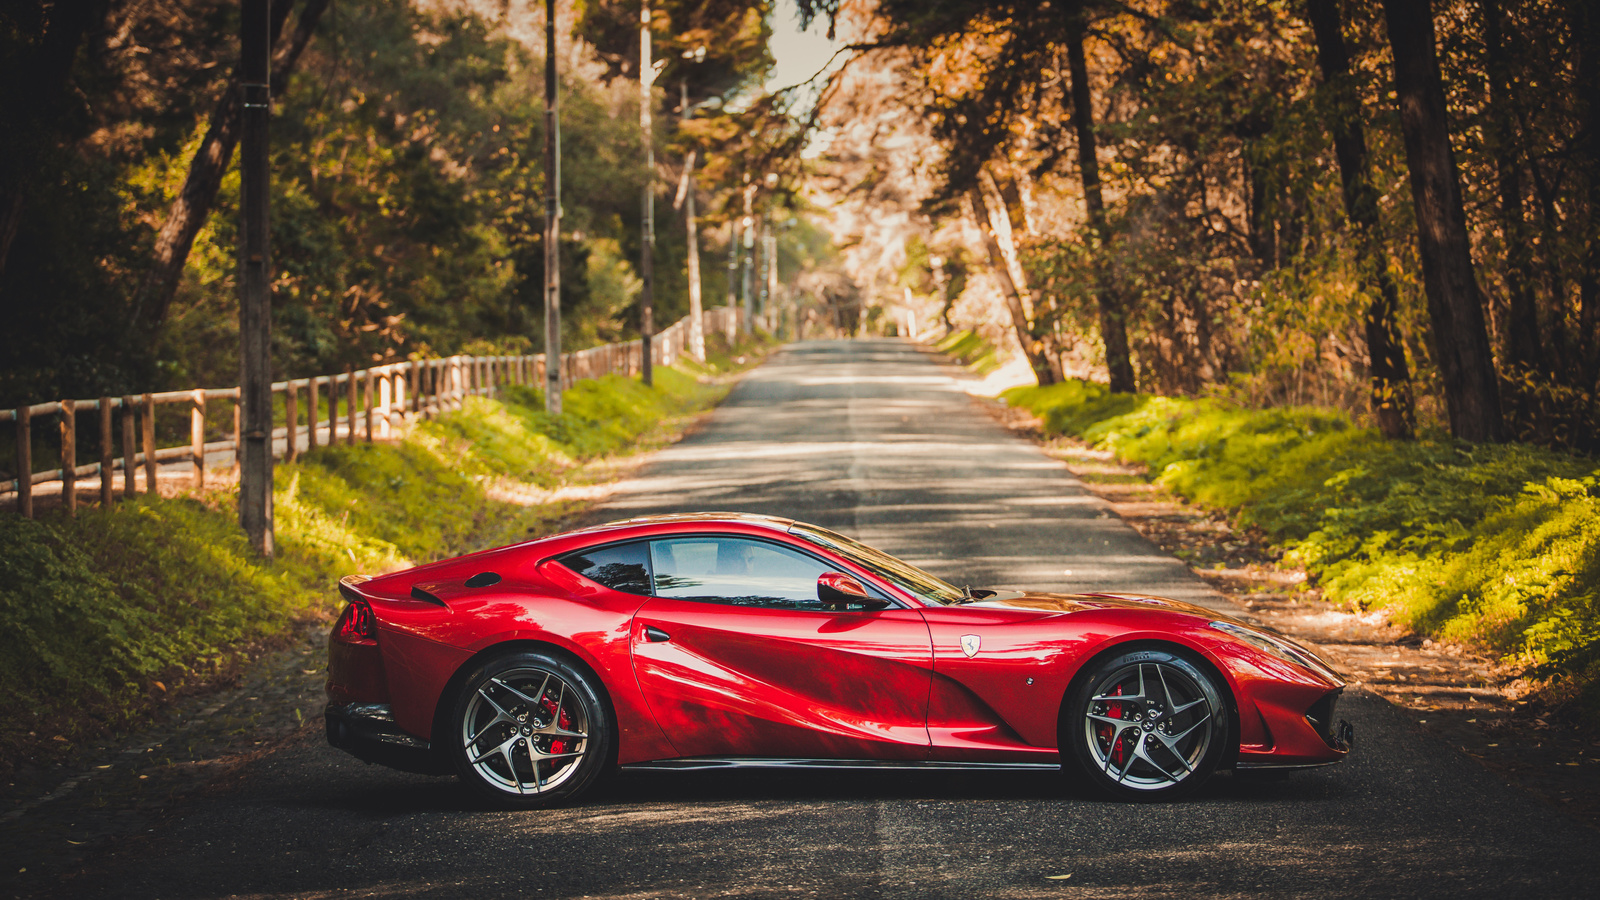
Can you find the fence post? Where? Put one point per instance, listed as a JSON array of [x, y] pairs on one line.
[[416, 385], [367, 402], [313, 404], [25, 461], [148, 421], [197, 436], [385, 400], [238, 444], [291, 421], [333, 410], [108, 459], [350, 405], [69, 457], [130, 463]]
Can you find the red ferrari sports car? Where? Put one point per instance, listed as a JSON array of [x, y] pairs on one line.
[[731, 639]]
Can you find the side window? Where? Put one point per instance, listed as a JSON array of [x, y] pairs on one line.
[[736, 571], [621, 567]]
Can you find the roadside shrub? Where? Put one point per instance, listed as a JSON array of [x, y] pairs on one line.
[[970, 349]]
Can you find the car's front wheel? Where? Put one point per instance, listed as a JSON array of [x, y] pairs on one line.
[[529, 729], [1146, 725]]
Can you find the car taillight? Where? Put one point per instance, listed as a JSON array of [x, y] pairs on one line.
[[356, 625]]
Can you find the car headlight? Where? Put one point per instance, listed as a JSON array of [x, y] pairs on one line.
[[1280, 647]]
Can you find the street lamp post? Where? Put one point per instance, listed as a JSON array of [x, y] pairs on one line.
[[647, 243], [697, 337], [552, 219]]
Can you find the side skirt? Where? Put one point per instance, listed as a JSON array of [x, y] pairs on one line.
[[701, 763]]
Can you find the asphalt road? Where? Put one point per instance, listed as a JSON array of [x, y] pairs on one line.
[[874, 439]]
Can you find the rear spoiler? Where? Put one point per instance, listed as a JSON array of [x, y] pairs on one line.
[[347, 587]]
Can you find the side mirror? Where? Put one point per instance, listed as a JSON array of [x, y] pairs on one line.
[[837, 590]]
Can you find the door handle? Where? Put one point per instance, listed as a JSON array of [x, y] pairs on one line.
[[654, 635]]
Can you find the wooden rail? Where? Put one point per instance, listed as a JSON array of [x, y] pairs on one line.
[[378, 402]]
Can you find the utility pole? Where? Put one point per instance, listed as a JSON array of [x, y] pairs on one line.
[[552, 219], [761, 266], [733, 262], [749, 254], [647, 243], [697, 335], [255, 307], [772, 267]]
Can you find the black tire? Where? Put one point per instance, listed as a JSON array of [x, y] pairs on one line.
[[1162, 742], [529, 729]]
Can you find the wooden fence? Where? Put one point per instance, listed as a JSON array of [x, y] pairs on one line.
[[377, 402]]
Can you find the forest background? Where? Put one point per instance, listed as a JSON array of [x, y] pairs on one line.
[[407, 186]]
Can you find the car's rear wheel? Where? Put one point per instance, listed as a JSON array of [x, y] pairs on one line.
[[529, 729], [1146, 725]]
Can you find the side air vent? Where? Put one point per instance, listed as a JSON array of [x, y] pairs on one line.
[[483, 579], [418, 592]]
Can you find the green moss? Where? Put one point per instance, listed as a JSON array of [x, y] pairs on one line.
[[1494, 544]]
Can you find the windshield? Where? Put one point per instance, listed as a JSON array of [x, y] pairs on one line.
[[901, 574]]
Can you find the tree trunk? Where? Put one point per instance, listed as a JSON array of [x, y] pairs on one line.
[[1113, 316], [1455, 304], [1390, 378], [1263, 238], [1522, 331], [1038, 360], [1586, 34], [35, 102], [192, 206]]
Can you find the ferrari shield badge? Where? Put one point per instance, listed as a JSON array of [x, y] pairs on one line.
[[969, 644]]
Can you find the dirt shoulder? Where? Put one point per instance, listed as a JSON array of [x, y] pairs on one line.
[[1454, 693]]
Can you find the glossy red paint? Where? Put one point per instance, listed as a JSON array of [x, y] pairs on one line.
[[978, 681], [741, 681]]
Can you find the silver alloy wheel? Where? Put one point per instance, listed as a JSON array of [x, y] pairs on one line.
[[525, 731], [1148, 726]]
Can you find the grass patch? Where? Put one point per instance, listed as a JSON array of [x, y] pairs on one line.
[[104, 615], [970, 349], [1496, 545]]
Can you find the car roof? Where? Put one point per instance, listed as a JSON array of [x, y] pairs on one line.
[[776, 523]]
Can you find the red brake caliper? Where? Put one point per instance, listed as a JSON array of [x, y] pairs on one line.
[[563, 721], [1109, 732]]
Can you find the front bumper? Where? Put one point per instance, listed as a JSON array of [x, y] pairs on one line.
[[368, 732], [1337, 734]]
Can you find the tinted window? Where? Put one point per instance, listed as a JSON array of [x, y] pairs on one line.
[[735, 571], [621, 567]]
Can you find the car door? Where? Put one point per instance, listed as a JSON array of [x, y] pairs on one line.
[[737, 657]]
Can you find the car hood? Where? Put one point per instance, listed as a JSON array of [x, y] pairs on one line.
[[1056, 604]]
